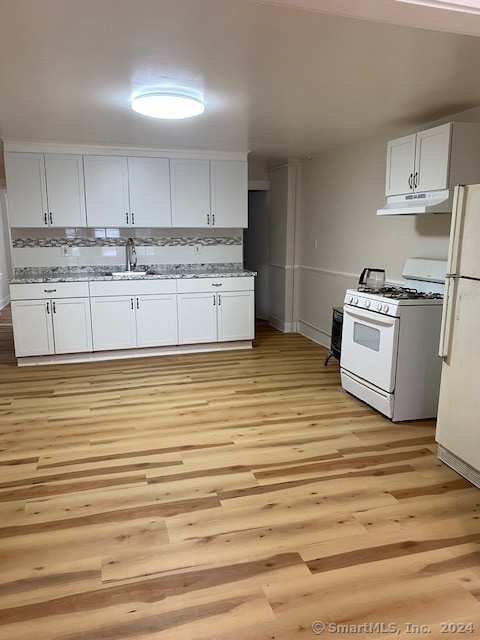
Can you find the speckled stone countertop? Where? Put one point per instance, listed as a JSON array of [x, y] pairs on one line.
[[28, 275]]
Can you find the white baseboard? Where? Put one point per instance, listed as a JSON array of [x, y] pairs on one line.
[[316, 335], [73, 358], [4, 301], [284, 327]]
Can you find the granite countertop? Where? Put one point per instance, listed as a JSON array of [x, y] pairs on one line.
[[29, 275]]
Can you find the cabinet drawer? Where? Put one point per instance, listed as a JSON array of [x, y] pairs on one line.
[[45, 290], [199, 285], [132, 287]]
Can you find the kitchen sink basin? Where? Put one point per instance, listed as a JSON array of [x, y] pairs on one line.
[[127, 274]]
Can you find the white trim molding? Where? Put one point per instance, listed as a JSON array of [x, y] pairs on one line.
[[312, 333], [105, 150]]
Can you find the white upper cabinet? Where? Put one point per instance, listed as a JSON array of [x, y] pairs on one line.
[[209, 193], [400, 163], [190, 189], [149, 187], [229, 193], [434, 159], [45, 190], [98, 190], [106, 191], [127, 192]]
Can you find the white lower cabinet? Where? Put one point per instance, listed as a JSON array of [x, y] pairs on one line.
[[156, 320], [113, 323], [145, 316], [44, 325], [67, 318], [197, 318], [32, 328], [215, 310], [236, 315]]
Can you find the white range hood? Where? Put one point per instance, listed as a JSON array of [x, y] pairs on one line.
[[417, 203]]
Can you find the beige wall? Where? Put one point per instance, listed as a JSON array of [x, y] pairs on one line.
[[257, 170], [339, 232]]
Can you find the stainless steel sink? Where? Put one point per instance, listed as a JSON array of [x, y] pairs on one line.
[[127, 274]]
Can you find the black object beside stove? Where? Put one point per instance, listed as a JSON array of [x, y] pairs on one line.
[[336, 339]]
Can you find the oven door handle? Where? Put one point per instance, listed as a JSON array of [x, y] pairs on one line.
[[384, 321]]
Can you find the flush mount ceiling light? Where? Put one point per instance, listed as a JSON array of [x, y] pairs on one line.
[[471, 6], [170, 106]]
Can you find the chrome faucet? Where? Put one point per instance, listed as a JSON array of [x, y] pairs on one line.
[[130, 255]]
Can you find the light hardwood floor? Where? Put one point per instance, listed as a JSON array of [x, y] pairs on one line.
[[235, 496]]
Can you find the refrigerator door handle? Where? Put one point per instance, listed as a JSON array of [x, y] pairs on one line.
[[456, 228], [448, 312]]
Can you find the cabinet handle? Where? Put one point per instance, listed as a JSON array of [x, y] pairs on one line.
[[49, 290], [48, 308], [415, 180], [133, 218], [219, 299], [216, 284], [126, 217], [50, 217], [53, 307], [45, 221], [131, 303], [213, 219], [410, 179], [208, 219], [214, 303], [138, 304]]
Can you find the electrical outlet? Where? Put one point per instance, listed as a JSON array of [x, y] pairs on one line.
[[197, 248], [66, 251], [315, 244]]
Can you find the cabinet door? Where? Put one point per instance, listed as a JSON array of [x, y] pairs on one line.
[[113, 322], [72, 325], [229, 191], [65, 190], [197, 318], [156, 320], [149, 185], [432, 158], [32, 327], [190, 189], [106, 191], [400, 165], [26, 189], [236, 315]]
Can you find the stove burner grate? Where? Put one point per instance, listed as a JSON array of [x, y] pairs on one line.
[[400, 293]]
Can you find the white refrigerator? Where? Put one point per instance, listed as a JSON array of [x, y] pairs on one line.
[[458, 418]]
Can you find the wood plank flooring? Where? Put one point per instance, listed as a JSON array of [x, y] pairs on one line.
[[234, 496]]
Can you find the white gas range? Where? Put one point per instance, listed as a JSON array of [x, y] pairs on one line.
[[390, 337]]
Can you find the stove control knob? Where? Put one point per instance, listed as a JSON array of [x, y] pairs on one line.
[[379, 306], [348, 299], [367, 304], [385, 308], [355, 300]]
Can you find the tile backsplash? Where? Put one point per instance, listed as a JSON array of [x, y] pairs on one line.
[[54, 247]]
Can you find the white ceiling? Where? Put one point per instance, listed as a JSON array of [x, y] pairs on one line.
[[283, 78]]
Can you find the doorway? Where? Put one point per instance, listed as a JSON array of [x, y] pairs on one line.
[[256, 249]]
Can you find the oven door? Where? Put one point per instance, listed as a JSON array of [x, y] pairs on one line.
[[369, 346]]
